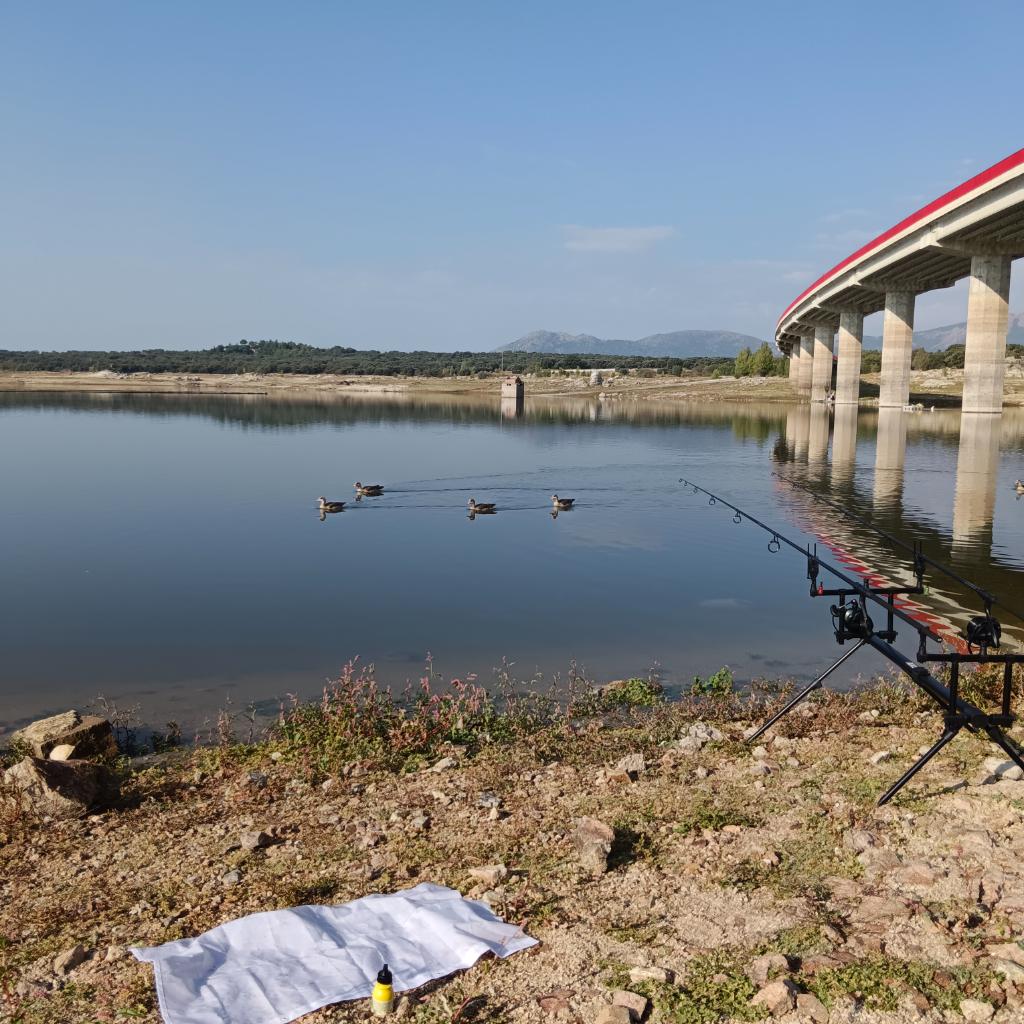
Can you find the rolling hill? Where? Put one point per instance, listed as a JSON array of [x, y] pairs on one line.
[[939, 338]]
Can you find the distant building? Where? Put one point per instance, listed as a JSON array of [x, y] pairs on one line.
[[512, 387]]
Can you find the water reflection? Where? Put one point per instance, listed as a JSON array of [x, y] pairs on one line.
[[512, 408], [844, 447], [263, 602], [890, 454], [977, 482], [817, 439], [798, 426]]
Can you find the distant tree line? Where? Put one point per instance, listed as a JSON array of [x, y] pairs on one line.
[[921, 359], [294, 357]]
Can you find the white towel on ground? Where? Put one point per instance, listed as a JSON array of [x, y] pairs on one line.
[[273, 967]]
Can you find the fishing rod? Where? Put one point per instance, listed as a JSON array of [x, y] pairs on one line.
[[920, 558], [852, 622], [880, 595]]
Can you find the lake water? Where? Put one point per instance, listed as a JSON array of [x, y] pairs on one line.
[[166, 551]]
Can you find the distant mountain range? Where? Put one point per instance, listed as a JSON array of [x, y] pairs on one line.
[[939, 338], [675, 343]]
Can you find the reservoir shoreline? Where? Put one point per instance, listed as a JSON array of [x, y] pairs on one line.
[[930, 387]]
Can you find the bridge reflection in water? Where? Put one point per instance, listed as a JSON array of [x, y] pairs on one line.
[[977, 471], [956, 519]]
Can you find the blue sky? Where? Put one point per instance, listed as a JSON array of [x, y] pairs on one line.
[[453, 175]]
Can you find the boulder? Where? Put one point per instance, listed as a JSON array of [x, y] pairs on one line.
[[778, 998], [60, 789], [593, 842], [996, 769], [640, 974], [761, 968], [977, 1011], [90, 735], [632, 1001], [1008, 951], [67, 961], [632, 764], [250, 841], [810, 1007], [880, 908], [858, 840], [614, 1015], [490, 874], [690, 744], [1009, 969]]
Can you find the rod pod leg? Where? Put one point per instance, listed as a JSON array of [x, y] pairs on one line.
[[809, 688], [951, 731]]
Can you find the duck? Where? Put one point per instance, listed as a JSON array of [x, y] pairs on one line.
[[331, 506], [482, 507], [563, 503], [1019, 487], [369, 490]]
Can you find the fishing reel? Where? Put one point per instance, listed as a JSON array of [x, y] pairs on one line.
[[851, 621], [983, 632]]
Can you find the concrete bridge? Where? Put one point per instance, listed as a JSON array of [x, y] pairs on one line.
[[975, 231]]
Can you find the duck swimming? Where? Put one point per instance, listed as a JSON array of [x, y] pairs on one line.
[[482, 507], [330, 506], [562, 503], [1019, 487], [369, 490]]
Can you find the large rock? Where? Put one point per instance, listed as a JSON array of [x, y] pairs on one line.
[[976, 1011], [763, 968], [632, 1001], [1008, 951], [90, 735], [810, 1007], [778, 998], [996, 769], [59, 789], [67, 961], [614, 1015], [879, 909], [593, 842]]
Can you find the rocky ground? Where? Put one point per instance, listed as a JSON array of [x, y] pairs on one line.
[[669, 869], [929, 387], [618, 387]]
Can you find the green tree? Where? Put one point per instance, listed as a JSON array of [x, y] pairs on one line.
[[744, 363], [870, 361], [763, 362]]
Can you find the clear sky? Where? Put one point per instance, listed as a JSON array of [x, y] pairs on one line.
[[455, 174]]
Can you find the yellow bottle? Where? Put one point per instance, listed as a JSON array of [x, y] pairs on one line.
[[383, 998]]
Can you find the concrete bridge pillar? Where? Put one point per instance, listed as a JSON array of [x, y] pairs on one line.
[[806, 362], [897, 348], [821, 373], [851, 338], [794, 363], [987, 318]]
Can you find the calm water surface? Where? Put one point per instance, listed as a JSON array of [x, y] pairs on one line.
[[165, 550]]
